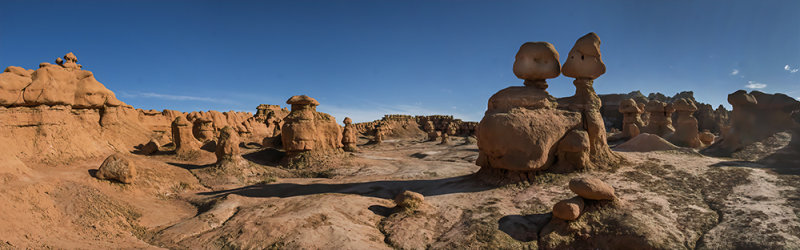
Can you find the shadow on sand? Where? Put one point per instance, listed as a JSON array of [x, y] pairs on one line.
[[523, 227], [378, 189], [785, 161]]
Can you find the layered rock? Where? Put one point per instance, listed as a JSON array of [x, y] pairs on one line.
[[305, 129], [686, 133]]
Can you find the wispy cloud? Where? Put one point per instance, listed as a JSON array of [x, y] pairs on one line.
[[755, 85], [174, 97], [735, 72], [790, 69]]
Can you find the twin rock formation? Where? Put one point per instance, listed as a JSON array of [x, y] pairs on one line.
[[525, 130]]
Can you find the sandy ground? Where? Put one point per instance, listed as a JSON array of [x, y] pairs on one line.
[[679, 198]]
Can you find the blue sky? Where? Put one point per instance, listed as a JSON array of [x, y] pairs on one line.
[[364, 59]]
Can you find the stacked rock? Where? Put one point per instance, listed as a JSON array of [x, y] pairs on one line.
[[587, 188]]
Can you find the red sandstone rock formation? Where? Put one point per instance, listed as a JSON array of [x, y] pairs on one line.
[[686, 133], [349, 138], [305, 129]]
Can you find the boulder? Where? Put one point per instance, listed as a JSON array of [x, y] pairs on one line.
[[150, 148], [409, 200], [573, 151], [535, 62], [117, 167], [706, 137], [592, 188], [569, 209]]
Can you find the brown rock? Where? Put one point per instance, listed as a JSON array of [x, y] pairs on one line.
[[12, 82], [150, 148], [227, 149], [573, 151], [430, 128], [569, 209], [203, 129], [349, 138], [305, 129], [631, 121], [660, 121], [686, 133], [583, 61], [591, 188], [117, 167], [706, 137], [182, 136], [535, 62]]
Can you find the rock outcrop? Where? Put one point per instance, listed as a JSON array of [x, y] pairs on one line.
[[305, 129], [227, 150], [117, 167]]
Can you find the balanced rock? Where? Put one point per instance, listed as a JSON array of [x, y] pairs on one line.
[[591, 188], [117, 167], [185, 143], [584, 64], [349, 138], [686, 131], [569, 209], [535, 62], [305, 129]]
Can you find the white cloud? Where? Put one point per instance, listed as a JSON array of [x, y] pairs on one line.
[[735, 72], [173, 97], [790, 69], [755, 85]]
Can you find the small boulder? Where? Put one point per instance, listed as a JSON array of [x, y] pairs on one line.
[[569, 209], [409, 200], [117, 167], [591, 188], [150, 148]]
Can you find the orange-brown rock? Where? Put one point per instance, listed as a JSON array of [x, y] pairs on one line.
[[584, 60], [706, 137], [349, 138], [117, 167], [569, 209], [430, 128], [227, 149], [535, 62], [203, 129], [305, 129], [686, 131], [185, 143], [573, 151], [409, 200], [150, 148], [591, 188], [13, 81]]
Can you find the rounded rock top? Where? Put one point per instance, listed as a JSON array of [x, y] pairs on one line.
[[584, 60], [684, 105], [537, 61], [302, 100]]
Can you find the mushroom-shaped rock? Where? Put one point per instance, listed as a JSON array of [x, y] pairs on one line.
[[535, 62], [117, 167], [584, 61], [349, 138], [569, 209], [409, 200], [631, 121], [150, 148], [305, 129], [686, 133], [183, 138], [591, 188], [660, 121]]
